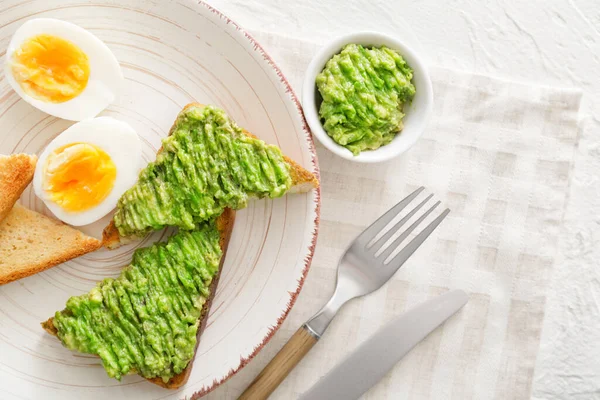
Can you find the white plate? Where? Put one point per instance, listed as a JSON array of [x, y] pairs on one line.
[[172, 53]]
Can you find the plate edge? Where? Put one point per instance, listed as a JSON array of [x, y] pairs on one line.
[[317, 204]]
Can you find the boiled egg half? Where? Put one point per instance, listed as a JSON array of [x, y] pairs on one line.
[[82, 172], [62, 69]]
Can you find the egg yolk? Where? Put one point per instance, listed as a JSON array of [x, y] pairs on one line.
[[50, 69], [79, 176]]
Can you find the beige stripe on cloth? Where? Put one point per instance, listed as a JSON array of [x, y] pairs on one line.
[[499, 154]]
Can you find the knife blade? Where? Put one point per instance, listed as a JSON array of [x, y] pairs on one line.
[[370, 361]]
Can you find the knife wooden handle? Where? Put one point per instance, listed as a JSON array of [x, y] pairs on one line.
[[280, 366]]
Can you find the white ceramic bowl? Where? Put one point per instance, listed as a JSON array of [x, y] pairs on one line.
[[417, 113]]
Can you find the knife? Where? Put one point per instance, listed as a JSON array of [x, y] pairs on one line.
[[370, 361]]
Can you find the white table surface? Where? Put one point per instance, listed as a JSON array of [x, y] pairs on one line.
[[553, 43]]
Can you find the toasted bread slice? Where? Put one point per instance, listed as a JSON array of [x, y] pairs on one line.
[[31, 242], [16, 171], [225, 226], [302, 181]]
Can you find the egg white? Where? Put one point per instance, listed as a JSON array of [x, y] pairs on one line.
[[105, 80], [119, 140]]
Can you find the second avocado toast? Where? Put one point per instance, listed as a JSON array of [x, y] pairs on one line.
[[111, 320], [148, 320]]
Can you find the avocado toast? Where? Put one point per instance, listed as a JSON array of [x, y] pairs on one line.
[[206, 168], [79, 332], [206, 164]]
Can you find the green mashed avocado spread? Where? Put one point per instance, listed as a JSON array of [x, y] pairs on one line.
[[146, 320], [364, 91], [206, 165]]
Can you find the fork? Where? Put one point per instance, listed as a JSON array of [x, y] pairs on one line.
[[365, 266]]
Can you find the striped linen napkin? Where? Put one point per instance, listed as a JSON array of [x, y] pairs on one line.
[[499, 154]]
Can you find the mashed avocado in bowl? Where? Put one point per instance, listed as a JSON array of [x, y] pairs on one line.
[[367, 96], [364, 90]]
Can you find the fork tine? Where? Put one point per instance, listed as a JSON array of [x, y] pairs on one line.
[[414, 244], [394, 245], [376, 227], [383, 240]]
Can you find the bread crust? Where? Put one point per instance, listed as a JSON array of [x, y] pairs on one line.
[[302, 181], [225, 226], [16, 172]]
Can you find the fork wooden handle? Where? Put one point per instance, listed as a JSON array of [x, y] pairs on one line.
[[280, 366]]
